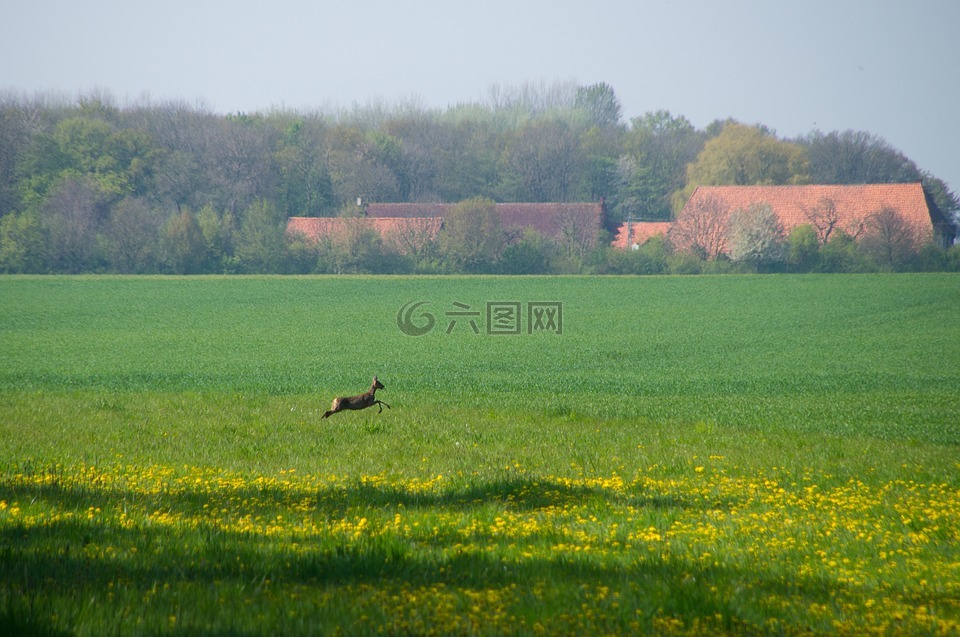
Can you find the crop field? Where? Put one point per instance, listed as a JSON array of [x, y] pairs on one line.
[[561, 455]]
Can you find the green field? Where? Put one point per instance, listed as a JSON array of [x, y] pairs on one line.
[[690, 455]]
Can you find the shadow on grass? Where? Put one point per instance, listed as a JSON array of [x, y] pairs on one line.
[[58, 567], [511, 493]]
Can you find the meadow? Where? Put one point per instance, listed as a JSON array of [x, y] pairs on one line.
[[681, 455]]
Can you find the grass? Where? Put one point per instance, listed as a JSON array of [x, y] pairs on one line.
[[691, 455]]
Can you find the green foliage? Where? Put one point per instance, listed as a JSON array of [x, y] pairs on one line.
[[840, 254], [803, 248], [543, 162], [531, 254], [737, 454], [261, 242], [472, 236], [745, 156], [75, 168], [22, 243], [184, 245], [658, 147], [600, 104], [653, 257]]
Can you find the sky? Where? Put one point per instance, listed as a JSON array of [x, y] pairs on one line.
[[890, 68]]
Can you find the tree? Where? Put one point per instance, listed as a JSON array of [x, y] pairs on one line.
[[419, 139], [355, 169], [219, 237], [657, 149], [856, 157], [803, 248], [701, 229], [946, 200], [261, 241], [745, 156], [840, 254], [186, 168], [21, 244], [543, 162], [14, 140], [466, 158], [184, 250], [132, 236], [358, 249], [118, 160], [305, 185], [888, 239], [71, 218], [472, 236], [577, 233], [416, 239], [532, 254], [240, 161], [755, 236], [599, 103], [823, 216]]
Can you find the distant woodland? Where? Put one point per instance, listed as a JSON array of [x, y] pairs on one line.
[[88, 185]]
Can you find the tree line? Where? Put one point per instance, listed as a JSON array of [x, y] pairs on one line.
[[88, 185]]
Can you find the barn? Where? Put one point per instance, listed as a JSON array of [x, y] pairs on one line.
[[827, 208], [396, 222]]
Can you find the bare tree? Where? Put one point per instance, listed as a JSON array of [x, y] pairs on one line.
[[415, 236], [71, 218], [543, 157], [824, 217], [243, 172], [356, 170], [888, 238], [702, 228], [577, 231], [132, 236]]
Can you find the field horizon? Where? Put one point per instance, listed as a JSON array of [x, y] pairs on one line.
[[690, 455]]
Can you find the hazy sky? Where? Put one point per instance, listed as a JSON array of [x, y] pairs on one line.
[[891, 68]]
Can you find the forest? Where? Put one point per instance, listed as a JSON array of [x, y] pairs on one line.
[[90, 185]]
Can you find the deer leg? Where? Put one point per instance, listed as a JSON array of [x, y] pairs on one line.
[[334, 408], [381, 404]]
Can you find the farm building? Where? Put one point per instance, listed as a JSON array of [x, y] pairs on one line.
[[405, 234], [400, 223], [854, 209]]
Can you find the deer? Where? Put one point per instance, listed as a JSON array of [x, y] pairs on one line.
[[368, 399]]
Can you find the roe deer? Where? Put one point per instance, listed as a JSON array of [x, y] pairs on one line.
[[362, 401]]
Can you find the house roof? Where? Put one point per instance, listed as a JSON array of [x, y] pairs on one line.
[[545, 218], [796, 205], [405, 233], [407, 210], [640, 232]]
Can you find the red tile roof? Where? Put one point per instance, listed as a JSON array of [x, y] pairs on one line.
[[407, 210], [846, 206], [640, 232], [404, 234], [546, 218]]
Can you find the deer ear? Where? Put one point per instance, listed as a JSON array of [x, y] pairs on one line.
[[374, 379]]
